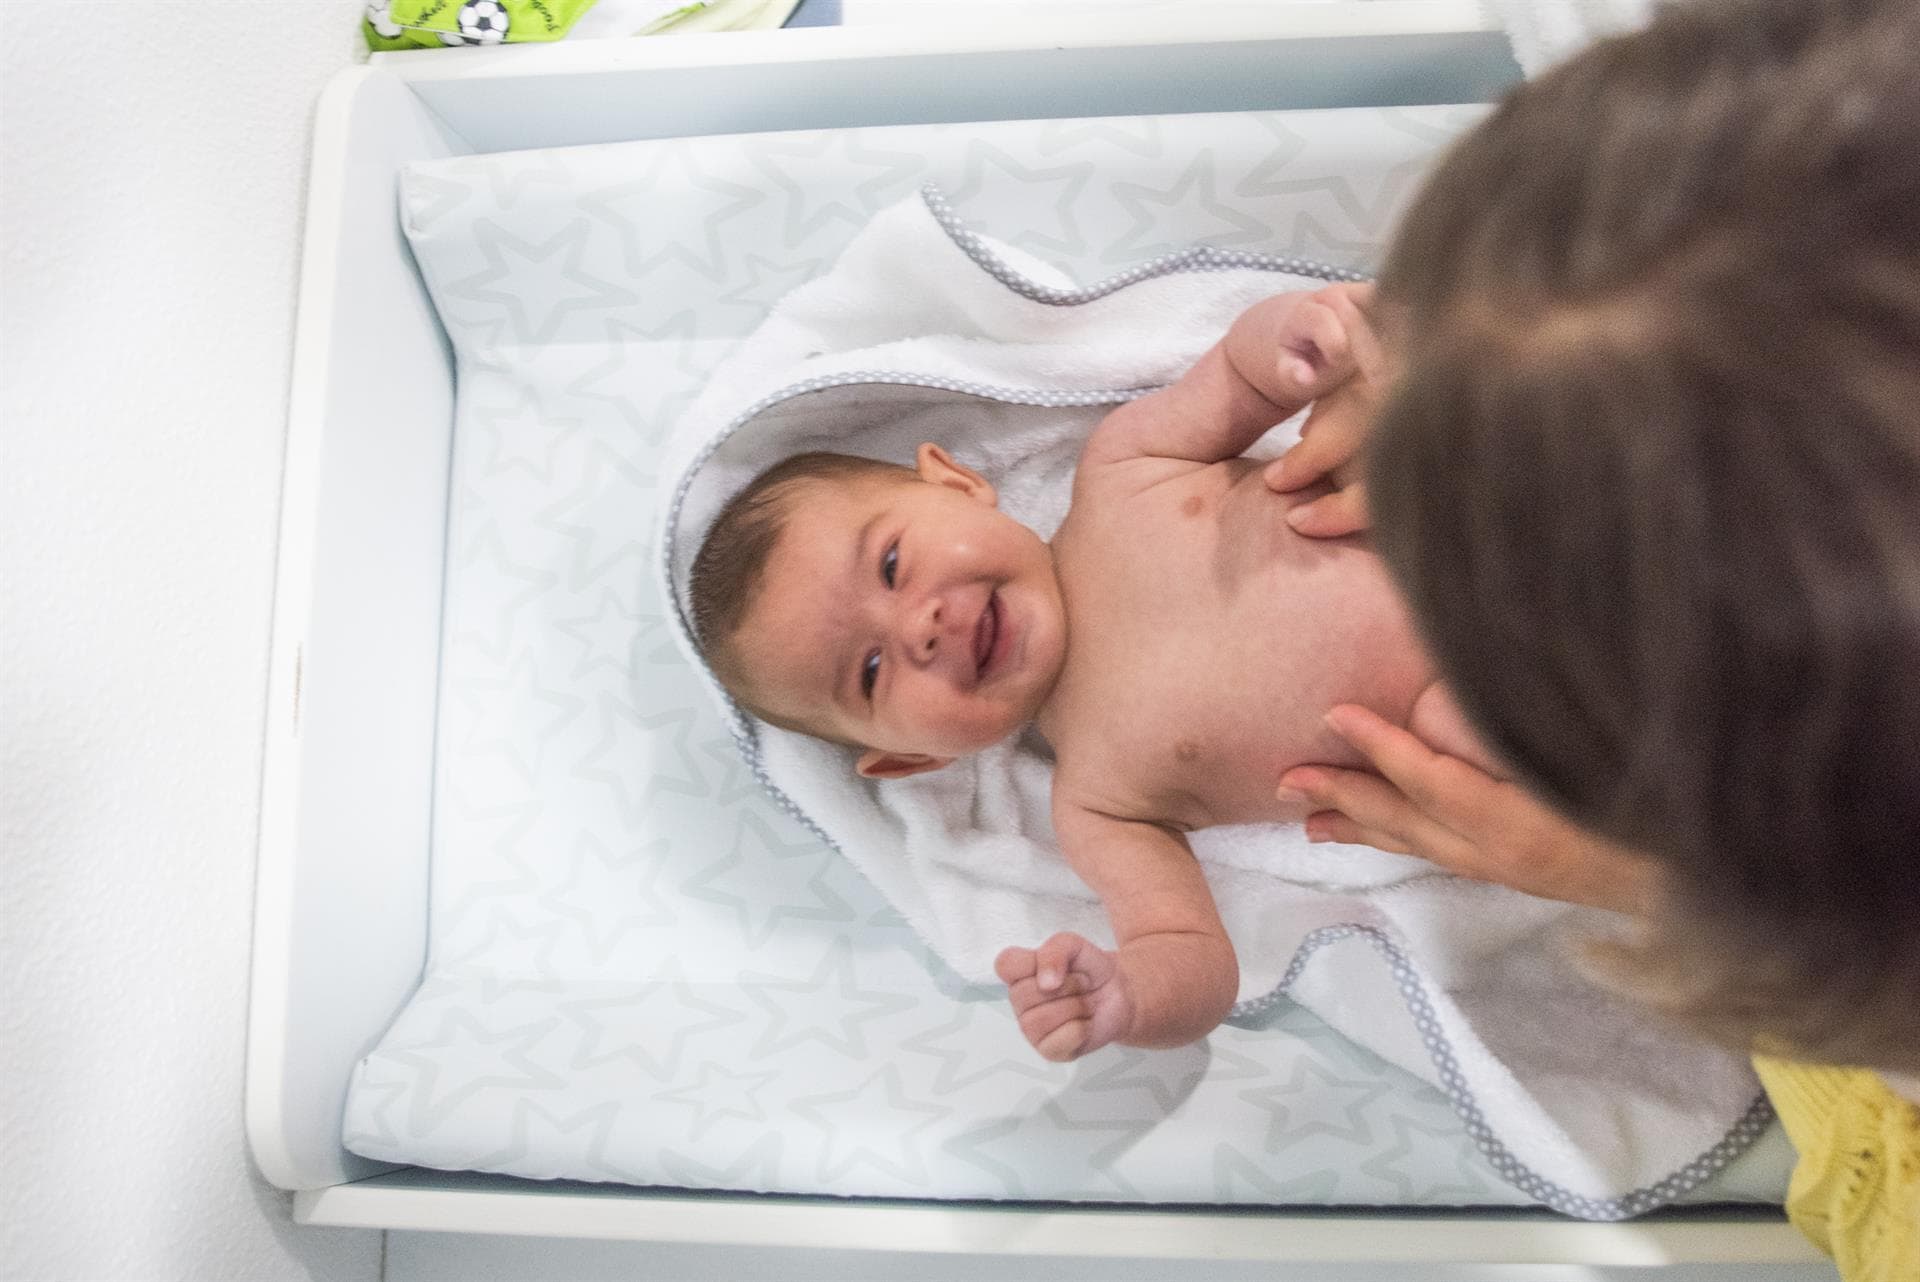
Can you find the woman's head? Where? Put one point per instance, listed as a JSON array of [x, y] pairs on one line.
[[1650, 477]]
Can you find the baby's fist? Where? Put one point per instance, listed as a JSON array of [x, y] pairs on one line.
[[1316, 351], [1068, 994]]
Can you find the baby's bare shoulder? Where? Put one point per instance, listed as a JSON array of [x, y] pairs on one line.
[[1106, 775], [1106, 476], [1084, 789], [1125, 501]]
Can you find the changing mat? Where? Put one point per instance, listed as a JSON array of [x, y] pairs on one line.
[[923, 331], [640, 968]]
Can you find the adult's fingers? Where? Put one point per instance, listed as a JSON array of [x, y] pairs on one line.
[[1361, 293], [1468, 822], [1331, 437], [1332, 515], [1456, 794], [1331, 825], [1377, 806], [1351, 305]]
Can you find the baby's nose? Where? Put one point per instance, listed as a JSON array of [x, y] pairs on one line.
[[927, 629]]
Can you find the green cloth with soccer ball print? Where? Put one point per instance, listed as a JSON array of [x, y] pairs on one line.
[[432, 24]]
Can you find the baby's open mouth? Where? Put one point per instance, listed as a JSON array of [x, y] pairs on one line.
[[985, 633]]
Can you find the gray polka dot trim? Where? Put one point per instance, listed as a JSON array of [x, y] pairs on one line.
[[1196, 258], [1453, 1083]]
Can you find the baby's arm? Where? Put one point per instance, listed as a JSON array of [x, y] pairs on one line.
[[1280, 354], [1172, 979]]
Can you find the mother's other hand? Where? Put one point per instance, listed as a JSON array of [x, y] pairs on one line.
[[1464, 820]]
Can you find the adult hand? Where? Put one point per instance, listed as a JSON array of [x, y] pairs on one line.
[[1337, 428], [1459, 817]]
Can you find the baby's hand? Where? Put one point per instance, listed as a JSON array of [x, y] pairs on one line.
[[1069, 994], [1316, 349], [1346, 395]]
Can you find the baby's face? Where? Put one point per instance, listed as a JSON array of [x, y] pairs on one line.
[[910, 616]]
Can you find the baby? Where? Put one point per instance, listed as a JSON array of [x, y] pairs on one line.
[[1177, 645]]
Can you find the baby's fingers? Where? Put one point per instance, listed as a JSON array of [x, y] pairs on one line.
[[1057, 1028], [1064, 1043], [1026, 994], [1013, 965], [1053, 959], [1317, 357]]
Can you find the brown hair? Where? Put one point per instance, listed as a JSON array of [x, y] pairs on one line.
[[1650, 478], [730, 566]]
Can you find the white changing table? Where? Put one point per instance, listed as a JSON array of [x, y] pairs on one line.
[[343, 880]]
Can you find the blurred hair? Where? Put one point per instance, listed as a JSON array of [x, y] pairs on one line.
[[1650, 478]]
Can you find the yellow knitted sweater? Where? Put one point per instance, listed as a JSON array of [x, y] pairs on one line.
[[1856, 1189]]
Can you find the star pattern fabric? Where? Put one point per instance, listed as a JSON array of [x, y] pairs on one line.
[[641, 969]]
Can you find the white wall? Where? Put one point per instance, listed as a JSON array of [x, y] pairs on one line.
[[154, 159]]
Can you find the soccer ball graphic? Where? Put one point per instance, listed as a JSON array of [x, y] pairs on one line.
[[380, 18], [483, 22]]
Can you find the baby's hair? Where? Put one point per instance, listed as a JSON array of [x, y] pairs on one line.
[[1650, 477], [731, 564]]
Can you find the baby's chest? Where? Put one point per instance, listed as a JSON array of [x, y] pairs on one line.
[[1146, 568], [1206, 642], [1174, 597], [1155, 717]]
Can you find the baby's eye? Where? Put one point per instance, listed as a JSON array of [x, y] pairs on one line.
[[889, 562], [869, 673]]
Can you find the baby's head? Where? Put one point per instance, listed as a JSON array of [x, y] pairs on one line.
[[893, 609]]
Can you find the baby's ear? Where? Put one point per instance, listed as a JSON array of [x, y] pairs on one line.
[[937, 467], [875, 764]]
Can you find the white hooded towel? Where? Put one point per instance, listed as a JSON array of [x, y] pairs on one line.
[[925, 331]]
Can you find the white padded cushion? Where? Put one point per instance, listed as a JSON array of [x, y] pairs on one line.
[[642, 971]]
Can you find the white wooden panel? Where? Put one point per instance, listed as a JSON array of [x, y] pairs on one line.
[[482, 1204], [462, 1257], [340, 924], [1242, 58], [341, 893]]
